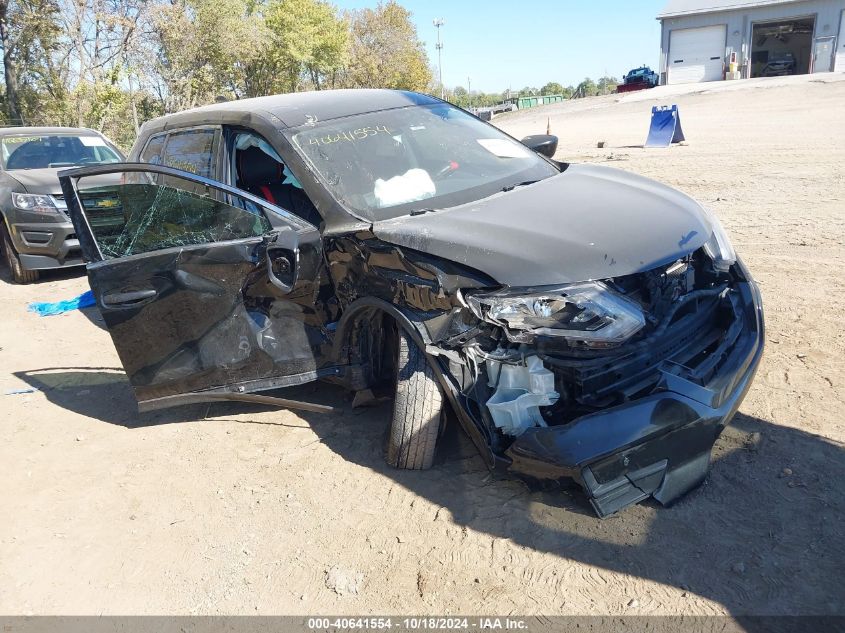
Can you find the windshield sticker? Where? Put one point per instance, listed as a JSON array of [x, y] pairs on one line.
[[503, 148], [349, 136], [92, 141], [184, 165], [15, 140]]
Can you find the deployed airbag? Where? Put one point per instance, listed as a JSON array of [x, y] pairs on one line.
[[414, 184]]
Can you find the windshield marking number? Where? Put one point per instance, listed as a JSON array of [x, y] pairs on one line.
[[350, 136]]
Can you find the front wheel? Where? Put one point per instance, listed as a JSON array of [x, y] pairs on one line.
[[416, 409], [20, 274]]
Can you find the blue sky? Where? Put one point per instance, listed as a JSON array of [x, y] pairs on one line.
[[501, 43]]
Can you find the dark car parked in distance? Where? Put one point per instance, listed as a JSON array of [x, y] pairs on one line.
[[638, 79], [35, 232], [581, 322]]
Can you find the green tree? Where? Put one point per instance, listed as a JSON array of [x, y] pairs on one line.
[[309, 40], [112, 64], [586, 88], [28, 30], [552, 88], [607, 85], [200, 49], [385, 50]]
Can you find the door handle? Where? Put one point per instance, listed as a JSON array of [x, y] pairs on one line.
[[127, 299]]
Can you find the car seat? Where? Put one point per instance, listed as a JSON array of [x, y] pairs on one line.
[[262, 175]]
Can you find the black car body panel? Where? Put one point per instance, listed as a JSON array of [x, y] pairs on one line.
[[556, 230], [206, 316], [296, 109], [295, 303]]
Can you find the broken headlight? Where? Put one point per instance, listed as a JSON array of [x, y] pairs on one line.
[[719, 247], [588, 313]]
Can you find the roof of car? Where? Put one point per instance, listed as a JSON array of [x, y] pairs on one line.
[[35, 131], [299, 108]]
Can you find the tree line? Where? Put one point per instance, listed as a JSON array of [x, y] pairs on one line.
[[587, 88], [112, 64]]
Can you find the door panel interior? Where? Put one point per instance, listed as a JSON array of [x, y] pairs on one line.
[[186, 285], [209, 319]]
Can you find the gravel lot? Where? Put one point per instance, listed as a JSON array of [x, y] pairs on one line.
[[238, 509]]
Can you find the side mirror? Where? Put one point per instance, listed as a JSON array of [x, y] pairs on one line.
[[545, 144]]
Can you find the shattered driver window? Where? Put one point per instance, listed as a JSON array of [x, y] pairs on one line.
[[132, 214]]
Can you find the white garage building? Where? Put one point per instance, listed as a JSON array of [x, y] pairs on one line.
[[702, 40]]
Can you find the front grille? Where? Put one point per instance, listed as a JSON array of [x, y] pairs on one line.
[[592, 381], [104, 211], [692, 321]]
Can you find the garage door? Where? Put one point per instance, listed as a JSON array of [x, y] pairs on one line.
[[696, 54]]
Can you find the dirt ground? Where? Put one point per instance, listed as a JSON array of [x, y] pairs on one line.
[[242, 510]]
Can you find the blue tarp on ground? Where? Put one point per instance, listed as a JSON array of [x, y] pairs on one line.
[[665, 127], [85, 300]]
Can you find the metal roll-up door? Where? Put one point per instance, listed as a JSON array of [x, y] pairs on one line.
[[696, 54]]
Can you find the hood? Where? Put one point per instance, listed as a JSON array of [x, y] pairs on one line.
[[46, 181], [589, 222], [38, 180]]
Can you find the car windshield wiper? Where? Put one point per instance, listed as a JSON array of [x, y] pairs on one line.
[[519, 184], [421, 211]]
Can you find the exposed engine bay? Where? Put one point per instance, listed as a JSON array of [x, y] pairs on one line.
[[519, 378], [525, 379]]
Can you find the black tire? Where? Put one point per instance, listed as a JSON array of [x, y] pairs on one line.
[[417, 409], [19, 274]]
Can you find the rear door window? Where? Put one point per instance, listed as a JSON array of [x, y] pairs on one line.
[[153, 149], [191, 151]]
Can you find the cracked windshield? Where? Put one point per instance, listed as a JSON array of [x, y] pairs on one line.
[[387, 164], [140, 215]]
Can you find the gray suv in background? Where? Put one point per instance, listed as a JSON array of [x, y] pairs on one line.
[[35, 232]]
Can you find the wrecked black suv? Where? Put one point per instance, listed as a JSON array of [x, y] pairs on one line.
[[583, 323]]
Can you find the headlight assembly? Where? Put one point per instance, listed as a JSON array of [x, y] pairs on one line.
[[34, 202], [588, 313], [719, 247]]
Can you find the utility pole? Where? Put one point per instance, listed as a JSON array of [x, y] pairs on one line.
[[469, 92], [438, 22]]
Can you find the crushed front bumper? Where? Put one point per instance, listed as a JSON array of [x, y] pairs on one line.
[[658, 445]]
